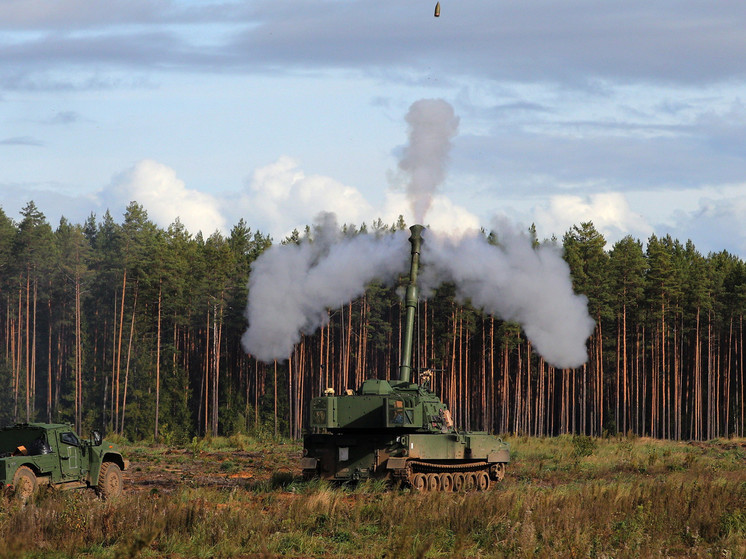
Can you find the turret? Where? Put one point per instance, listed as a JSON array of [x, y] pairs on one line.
[[410, 302]]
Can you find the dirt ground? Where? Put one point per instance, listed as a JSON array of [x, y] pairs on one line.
[[162, 470]]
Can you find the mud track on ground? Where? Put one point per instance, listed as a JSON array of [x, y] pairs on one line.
[[163, 470]]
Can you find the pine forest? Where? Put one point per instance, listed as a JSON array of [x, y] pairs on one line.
[[136, 330]]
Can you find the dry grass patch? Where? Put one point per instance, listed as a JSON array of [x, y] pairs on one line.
[[562, 497]]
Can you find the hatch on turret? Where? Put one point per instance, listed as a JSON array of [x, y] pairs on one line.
[[376, 386]]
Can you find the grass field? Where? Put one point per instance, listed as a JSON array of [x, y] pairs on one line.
[[242, 497]]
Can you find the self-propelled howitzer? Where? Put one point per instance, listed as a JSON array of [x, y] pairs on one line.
[[399, 430]]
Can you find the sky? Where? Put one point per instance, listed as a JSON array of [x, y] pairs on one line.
[[627, 114]]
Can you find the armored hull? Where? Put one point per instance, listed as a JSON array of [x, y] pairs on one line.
[[399, 430], [403, 436]]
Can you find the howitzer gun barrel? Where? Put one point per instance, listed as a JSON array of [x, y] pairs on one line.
[[411, 304]]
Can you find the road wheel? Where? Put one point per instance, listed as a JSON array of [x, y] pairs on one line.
[[483, 481], [470, 481], [24, 483], [446, 482], [498, 471], [109, 481], [419, 482], [433, 482], [458, 481]]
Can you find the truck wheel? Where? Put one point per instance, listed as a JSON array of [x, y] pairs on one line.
[[24, 483], [109, 481]]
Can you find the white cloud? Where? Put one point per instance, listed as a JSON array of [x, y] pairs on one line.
[[281, 197], [165, 197], [609, 212], [717, 223]]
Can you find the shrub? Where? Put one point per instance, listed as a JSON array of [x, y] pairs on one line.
[[582, 446]]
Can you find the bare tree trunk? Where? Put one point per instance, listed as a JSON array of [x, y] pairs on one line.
[[483, 379], [206, 380], [217, 326], [518, 395], [49, 361], [323, 379], [743, 388], [727, 380], [8, 335], [600, 375], [256, 394], [452, 396], [33, 351], [158, 364], [275, 387], [28, 345], [348, 347], [625, 401], [78, 360], [127, 366], [112, 414], [505, 393], [528, 389], [710, 397], [698, 426], [492, 373], [115, 385], [17, 356], [292, 396]]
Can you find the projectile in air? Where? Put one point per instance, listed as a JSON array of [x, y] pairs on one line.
[[437, 9]]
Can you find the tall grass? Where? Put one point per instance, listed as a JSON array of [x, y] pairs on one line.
[[612, 498]]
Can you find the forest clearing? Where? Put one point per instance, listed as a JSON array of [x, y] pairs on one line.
[[568, 496], [151, 358]]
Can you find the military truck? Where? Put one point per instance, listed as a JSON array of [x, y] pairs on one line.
[[33, 454], [399, 430]]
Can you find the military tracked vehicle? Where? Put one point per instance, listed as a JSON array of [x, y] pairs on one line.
[[398, 430]]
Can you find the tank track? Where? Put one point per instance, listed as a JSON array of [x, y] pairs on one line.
[[472, 476], [420, 466]]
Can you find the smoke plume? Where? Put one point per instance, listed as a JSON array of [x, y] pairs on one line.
[[432, 124], [515, 282], [291, 286]]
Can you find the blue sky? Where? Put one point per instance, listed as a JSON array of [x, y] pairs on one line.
[[628, 114]]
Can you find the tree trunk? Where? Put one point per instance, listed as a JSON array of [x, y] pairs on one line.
[[275, 410], [115, 386], [28, 345], [127, 366], [49, 361], [78, 361], [158, 364]]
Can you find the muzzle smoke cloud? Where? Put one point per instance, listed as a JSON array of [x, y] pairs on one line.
[[432, 124], [515, 282], [292, 286]]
